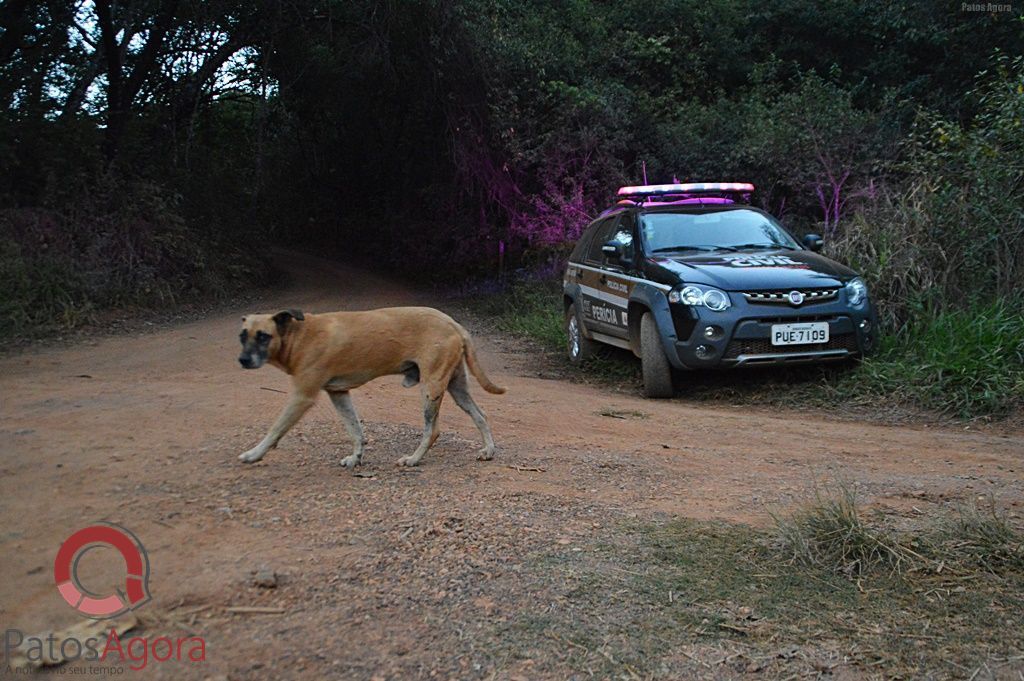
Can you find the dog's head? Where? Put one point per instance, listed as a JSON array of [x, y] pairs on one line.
[[261, 336]]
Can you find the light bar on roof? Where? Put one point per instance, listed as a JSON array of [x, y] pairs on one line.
[[688, 188]]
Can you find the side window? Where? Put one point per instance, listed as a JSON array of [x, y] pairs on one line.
[[602, 235], [623, 234], [579, 253]]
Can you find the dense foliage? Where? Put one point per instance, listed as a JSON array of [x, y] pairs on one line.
[[169, 141]]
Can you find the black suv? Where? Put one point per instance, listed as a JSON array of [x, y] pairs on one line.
[[688, 276]]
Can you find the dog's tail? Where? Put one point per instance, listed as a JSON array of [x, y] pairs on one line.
[[474, 365]]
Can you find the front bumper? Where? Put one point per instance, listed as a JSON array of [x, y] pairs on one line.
[[745, 337]]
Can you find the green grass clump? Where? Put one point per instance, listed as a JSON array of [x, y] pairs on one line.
[[962, 362], [535, 310]]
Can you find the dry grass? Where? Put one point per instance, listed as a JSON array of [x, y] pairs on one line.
[[831, 533], [981, 538], [830, 587]]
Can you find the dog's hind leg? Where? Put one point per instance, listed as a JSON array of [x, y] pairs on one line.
[[298, 404], [431, 407], [342, 401], [458, 388]]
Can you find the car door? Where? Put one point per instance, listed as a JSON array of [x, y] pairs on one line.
[[604, 290], [617, 278]]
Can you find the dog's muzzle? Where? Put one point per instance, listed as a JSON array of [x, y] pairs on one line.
[[250, 362]]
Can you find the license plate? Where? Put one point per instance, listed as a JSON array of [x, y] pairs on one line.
[[800, 334]]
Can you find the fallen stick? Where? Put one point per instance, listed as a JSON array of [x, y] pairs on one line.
[[254, 610], [527, 469], [274, 390], [730, 627]]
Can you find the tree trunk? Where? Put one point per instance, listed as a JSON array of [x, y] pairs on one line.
[[121, 90], [76, 97]]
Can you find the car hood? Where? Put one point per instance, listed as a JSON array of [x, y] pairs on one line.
[[749, 271]]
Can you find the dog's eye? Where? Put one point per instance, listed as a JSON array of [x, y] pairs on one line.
[[243, 336], [262, 337]]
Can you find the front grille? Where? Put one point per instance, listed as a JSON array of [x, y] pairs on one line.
[[763, 346], [811, 296]]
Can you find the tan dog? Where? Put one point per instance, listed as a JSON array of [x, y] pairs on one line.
[[339, 351]]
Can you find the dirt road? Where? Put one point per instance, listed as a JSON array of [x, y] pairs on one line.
[[401, 573]]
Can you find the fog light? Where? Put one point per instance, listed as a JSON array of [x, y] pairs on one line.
[[713, 332], [865, 326], [704, 351]]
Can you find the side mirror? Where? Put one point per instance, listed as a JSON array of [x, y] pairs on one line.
[[614, 250], [813, 242]]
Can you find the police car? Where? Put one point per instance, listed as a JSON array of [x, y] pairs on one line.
[[690, 276]]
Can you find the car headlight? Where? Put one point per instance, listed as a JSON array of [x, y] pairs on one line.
[[711, 298], [856, 292]]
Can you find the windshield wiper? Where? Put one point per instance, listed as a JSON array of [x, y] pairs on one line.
[[672, 249], [741, 247]]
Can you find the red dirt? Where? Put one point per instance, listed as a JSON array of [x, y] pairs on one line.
[[406, 573]]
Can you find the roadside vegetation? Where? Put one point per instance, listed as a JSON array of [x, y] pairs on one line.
[[123, 247], [828, 587], [152, 149]]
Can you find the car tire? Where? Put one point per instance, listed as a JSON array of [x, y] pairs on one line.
[[577, 346], [656, 369]]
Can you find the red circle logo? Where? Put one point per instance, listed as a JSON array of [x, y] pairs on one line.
[[98, 606]]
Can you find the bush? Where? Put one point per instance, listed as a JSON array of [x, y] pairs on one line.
[[115, 245], [952, 234], [961, 362]]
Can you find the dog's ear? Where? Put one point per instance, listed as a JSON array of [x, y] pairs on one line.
[[284, 316]]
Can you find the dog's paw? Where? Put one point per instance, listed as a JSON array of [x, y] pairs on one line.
[[251, 456], [351, 462], [485, 454], [407, 461]]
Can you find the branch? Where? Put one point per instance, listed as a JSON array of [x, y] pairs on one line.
[[192, 87], [147, 58], [76, 97], [85, 35], [111, 52]]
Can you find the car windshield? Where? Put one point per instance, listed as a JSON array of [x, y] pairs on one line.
[[713, 230]]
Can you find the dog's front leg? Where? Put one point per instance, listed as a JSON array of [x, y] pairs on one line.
[[299, 403]]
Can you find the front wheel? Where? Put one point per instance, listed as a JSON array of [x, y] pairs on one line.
[[578, 347], [656, 369]]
